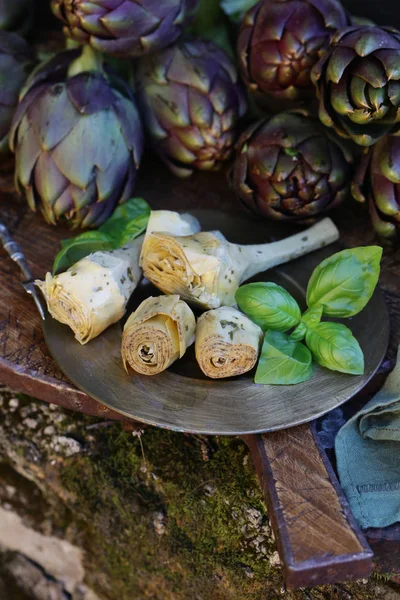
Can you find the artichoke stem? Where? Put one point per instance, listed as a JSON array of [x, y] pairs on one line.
[[89, 60], [262, 257], [72, 44]]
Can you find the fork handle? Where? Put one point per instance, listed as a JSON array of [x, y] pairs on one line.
[[14, 251]]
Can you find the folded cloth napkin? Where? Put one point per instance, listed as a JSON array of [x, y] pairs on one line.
[[368, 457]]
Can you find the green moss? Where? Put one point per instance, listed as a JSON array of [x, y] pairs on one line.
[[201, 487]]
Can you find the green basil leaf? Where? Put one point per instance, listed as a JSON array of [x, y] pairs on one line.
[[128, 221], [333, 346], [80, 246], [269, 305], [343, 283], [299, 333], [312, 316], [282, 361]]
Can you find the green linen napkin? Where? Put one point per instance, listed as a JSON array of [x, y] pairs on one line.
[[368, 457]]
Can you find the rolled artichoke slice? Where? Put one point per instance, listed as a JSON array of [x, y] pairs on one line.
[[92, 294], [227, 343], [157, 334], [206, 270]]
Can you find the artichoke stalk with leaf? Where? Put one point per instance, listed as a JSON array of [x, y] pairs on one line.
[[279, 43], [358, 83], [16, 15], [206, 270], [124, 28], [78, 140], [291, 168], [16, 60], [191, 101], [377, 181]]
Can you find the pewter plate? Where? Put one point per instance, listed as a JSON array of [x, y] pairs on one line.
[[182, 398]]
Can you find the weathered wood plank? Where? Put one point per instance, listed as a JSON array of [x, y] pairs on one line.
[[316, 534]]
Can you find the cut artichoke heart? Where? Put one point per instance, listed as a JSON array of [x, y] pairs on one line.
[[87, 299], [157, 334], [92, 294], [191, 266], [227, 343], [203, 265]]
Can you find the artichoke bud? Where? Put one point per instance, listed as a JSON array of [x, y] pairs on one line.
[[279, 42], [80, 158], [124, 28], [377, 182], [191, 102], [356, 83], [288, 167]]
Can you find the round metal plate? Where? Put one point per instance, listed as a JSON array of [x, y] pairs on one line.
[[182, 399]]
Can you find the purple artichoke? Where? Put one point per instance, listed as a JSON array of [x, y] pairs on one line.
[[124, 28], [289, 167], [358, 83], [279, 43], [191, 101], [78, 140], [16, 60], [16, 15], [377, 181]]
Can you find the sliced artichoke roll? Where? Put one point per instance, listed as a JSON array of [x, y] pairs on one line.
[[227, 343], [157, 334], [92, 294], [206, 270]]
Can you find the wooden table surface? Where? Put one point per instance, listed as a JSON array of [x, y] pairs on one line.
[[317, 537]]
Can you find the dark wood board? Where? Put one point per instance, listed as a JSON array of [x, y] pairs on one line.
[[316, 533], [26, 365]]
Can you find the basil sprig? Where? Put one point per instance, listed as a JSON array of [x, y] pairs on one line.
[[127, 222], [340, 286]]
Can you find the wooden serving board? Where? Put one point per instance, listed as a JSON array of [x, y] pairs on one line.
[[318, 540]]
